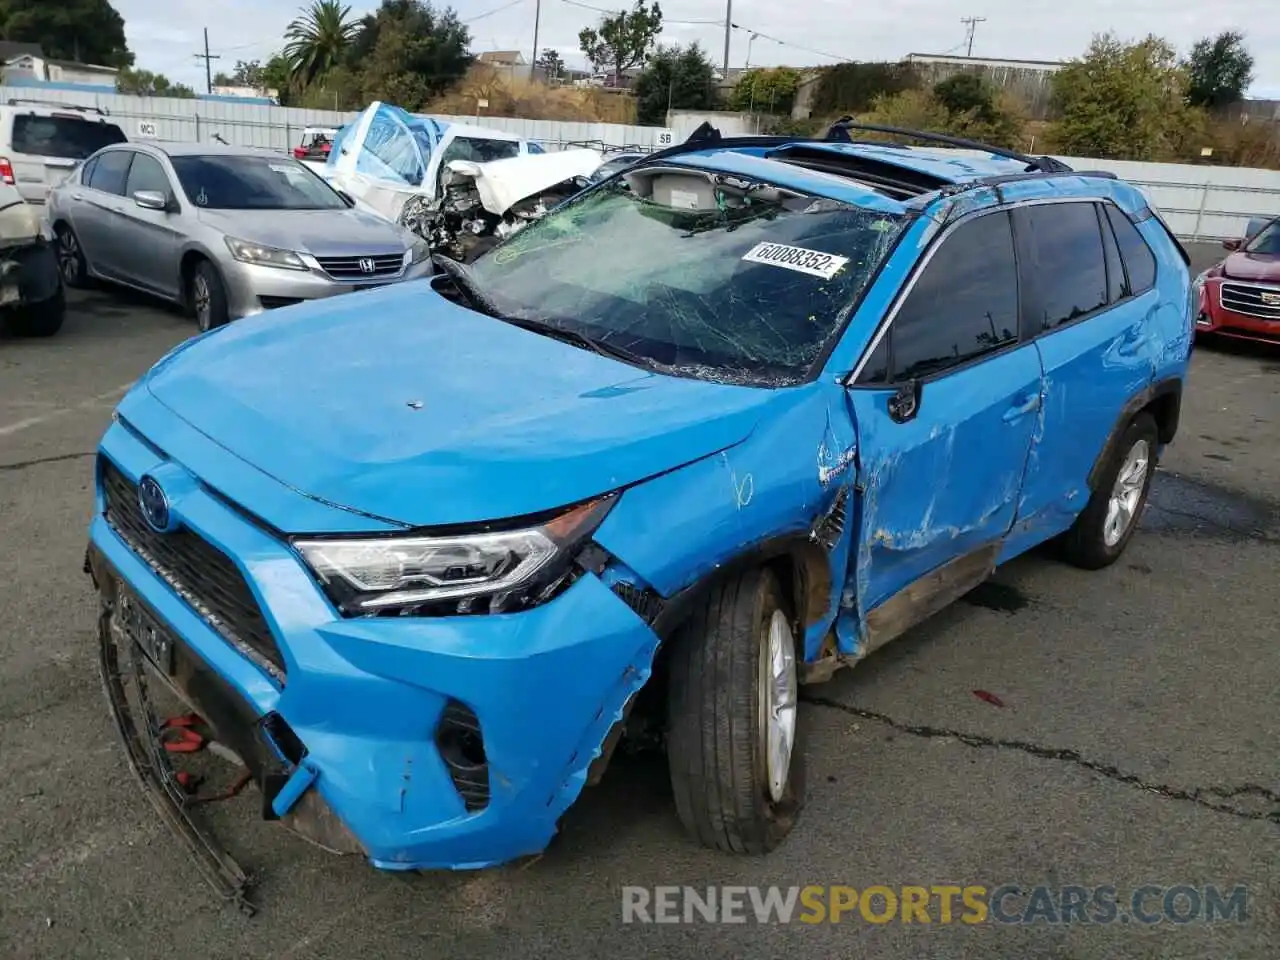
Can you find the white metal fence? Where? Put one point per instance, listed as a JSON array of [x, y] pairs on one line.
[[1199, 202]]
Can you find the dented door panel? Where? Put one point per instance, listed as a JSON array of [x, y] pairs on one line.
[[943, 484]]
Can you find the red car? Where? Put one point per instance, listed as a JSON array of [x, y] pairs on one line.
[[1240, 297]]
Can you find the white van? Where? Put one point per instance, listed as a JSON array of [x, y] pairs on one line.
[[42, 141]]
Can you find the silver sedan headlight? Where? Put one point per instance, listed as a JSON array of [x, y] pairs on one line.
[[418, 252], [487, 571], [247, 252]]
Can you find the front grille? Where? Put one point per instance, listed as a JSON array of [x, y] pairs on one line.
[[1251, 300], [353, 268], [204, 576]]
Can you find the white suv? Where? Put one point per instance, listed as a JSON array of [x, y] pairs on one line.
[[42, 141]]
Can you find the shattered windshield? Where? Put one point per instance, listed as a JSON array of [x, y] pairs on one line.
[[749, 292]]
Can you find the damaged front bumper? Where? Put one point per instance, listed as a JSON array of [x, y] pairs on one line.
[[28, 273], [416, 742]]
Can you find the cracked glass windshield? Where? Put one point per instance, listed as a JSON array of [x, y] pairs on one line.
[[748, 289]]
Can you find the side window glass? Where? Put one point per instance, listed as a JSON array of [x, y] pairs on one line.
[[147, 174], [964, 304], [87, 172], [1062, 270], [1137, 256], [110, 171], [1117, 283]]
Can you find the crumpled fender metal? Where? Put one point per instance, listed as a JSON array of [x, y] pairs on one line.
[[760, 500]]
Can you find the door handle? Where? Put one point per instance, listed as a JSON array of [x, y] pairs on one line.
[[1021, 410], [77, 196]]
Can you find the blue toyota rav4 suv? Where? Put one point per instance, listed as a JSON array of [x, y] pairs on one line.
[[717, 425]]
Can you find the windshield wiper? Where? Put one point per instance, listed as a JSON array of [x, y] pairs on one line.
[[460, 274]]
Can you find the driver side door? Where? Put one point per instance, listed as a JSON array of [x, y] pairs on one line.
[[945, 407]]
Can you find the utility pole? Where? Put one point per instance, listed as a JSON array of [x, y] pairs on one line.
[[728, 29], [208, 59], [537, 19], [972, 24]]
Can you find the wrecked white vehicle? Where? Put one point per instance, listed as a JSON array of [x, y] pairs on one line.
[[461, 188], [32, 302]]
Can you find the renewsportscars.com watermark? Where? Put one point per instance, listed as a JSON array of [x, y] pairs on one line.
[[971, 905]]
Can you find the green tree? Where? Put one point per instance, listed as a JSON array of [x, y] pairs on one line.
[[408, 51], [1219, 71], [144, 83], [86, 31], [623, 40], [318, 39], [1125, 101], [676, 78], [551, 64], [766, 91]]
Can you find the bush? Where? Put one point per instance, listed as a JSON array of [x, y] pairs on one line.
[[853, 87], [961, 106], [517, 97]]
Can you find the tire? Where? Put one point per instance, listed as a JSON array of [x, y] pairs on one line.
[[42, 319], [1093, 542], [71, 262], [717, 731], [207, 297]]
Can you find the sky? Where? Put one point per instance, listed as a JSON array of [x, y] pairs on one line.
[[166, 35]]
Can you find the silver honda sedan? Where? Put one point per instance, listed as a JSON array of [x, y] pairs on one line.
[[224, 231]]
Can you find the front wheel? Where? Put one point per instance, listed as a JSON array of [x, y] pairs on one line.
[[208, 297], [1108, 521], [42, 319], [733, 744]]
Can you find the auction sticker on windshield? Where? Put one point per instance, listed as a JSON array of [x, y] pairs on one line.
[[813, 262]]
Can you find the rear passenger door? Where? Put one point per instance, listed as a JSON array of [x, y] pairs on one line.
[[945, 409], [98, 206], [1088, 288]]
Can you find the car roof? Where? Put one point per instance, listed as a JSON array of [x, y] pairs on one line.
[[178, 149], [954, 166]]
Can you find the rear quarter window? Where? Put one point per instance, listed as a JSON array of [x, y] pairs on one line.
[[67, 138], [1139, 261]]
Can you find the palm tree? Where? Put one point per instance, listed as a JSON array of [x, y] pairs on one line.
[[317, 39]]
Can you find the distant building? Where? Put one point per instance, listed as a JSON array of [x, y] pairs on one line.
[[247, 93], [34, 65]]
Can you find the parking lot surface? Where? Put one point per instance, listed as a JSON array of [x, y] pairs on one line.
[[1056, 728]]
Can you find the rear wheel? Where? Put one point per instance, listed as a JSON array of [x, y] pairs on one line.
[[733, 744], [1105, 527], [42, 319], [71, 263], [207, 298]]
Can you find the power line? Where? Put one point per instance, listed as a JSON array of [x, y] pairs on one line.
[[490, 13], [972, 24], [788, 43]]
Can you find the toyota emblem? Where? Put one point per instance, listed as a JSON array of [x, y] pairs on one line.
[[367, 265], [154, 505]]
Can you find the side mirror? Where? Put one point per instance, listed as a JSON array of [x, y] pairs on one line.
[[151, 200], [905, 403], [1231, 244]]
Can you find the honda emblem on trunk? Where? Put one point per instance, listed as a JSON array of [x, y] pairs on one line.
[[366, 265]]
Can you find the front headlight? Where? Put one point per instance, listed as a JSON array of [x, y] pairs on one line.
[[489, 571], [418, 251], [256, 253]]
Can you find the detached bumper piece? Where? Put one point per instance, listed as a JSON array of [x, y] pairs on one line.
[[28, 274], [139, 654]]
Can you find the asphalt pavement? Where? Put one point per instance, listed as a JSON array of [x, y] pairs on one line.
[[1130, 736]]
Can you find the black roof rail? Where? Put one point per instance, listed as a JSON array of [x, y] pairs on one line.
[[15, 101], [1034, 164]]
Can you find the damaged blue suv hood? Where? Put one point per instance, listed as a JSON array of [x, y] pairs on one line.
[[407, 407]]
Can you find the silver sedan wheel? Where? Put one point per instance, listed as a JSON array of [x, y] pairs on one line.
[[779, 701], [1126, 494], [68, 257], [202, 299]]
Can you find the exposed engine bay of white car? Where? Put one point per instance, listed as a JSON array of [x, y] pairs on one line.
[[482, 203]]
